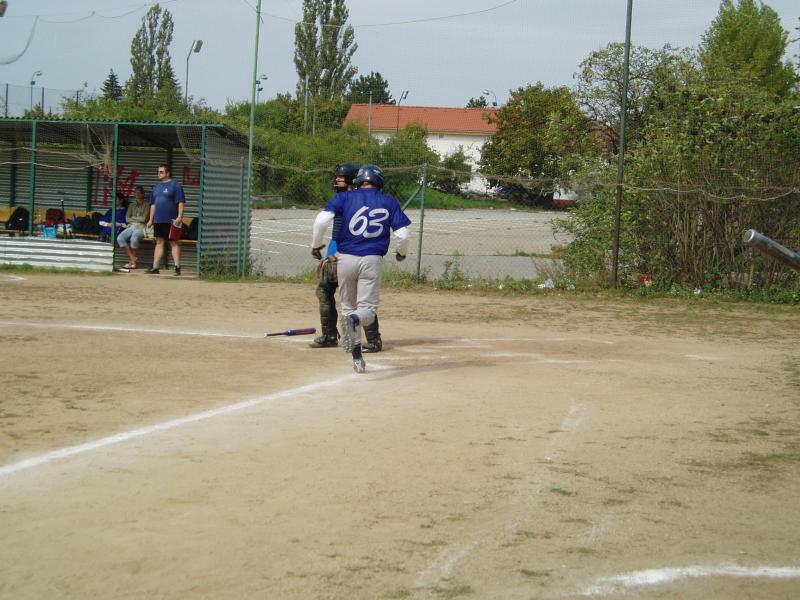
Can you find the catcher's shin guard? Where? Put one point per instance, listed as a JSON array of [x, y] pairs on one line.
[[327, 318], [374, 342]]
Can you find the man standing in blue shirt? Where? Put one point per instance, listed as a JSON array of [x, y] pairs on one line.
[[166, 207], [368, 216]]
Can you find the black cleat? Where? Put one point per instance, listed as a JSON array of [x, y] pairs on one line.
[[373, 346], [325, 341], [359, 364], [153, 271]]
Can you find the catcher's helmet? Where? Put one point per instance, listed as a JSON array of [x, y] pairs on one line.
[[348, 170], [370, 174]]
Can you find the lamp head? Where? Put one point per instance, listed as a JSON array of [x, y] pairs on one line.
[[3, 7], [197, 45]]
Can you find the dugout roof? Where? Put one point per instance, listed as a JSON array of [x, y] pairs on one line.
[[152, 134]]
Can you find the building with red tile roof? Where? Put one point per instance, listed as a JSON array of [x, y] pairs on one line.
[[448, 128], [388, 118]]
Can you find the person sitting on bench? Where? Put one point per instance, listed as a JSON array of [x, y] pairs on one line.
[[105, 220], [132, 235]]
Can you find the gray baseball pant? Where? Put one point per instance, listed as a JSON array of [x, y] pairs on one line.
[[360, 287]]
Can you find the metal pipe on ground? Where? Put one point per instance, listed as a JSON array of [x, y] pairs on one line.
[[772, 248]]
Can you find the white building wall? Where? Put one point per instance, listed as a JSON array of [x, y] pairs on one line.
[[445, 144]]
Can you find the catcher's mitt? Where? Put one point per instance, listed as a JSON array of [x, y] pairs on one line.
[[326, 270]]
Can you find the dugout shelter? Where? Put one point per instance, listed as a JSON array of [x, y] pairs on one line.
[[48, 165]]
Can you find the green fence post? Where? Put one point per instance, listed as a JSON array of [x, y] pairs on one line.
[[32, 187], [201, 198], [240, 241], [12, 181], [89, 188], [421, 219], [115, 174]]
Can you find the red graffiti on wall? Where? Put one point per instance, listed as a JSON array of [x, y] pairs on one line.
[[104, 183], [188, 179]]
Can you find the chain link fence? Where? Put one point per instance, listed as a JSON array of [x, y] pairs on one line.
[[23, 101]]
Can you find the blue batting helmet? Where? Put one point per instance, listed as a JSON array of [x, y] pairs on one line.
[[370, 174]]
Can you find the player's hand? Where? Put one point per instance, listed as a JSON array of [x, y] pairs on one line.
[[399, 257], [317, 252]]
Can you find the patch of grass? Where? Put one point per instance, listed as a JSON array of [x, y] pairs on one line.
[[792, 370], [399, 278], [518, 252], [614, 502], [671, 502], [583, 550], [533, 535], [772, 459], [455, 279], [773, 295], [434, 199], [452, 592], [531, 573], [398, 594], [576, 520], [563, 492]]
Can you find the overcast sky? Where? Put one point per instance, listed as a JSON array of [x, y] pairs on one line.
[[441, 61]]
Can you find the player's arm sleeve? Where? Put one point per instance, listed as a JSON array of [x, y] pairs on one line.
[[403, 236], [337, 227], [324, 218]]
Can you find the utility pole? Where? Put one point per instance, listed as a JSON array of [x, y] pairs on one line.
[[252, 121], [621, 167]]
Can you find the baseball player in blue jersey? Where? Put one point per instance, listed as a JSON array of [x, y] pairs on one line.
[[343, 176], [368, 216]]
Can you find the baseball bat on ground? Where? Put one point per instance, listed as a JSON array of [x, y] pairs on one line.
[[306, 331]]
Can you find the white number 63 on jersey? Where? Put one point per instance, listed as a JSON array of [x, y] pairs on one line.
[[371, 227]]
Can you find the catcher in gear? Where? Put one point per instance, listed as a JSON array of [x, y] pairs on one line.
[[343, 176]]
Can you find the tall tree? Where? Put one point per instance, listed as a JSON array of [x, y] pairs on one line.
[[537, 129], [746, 44], [150, 60], [112, 90], [324, 46], [373, 84], [479, 102], [599, 87]]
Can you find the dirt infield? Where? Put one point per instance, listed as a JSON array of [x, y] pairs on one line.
[[154, 445]]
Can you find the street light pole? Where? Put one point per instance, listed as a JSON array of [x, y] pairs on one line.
[[252, 123], [261, 79], [403, 96], [493, 94], [33, 83], [196, 45]]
